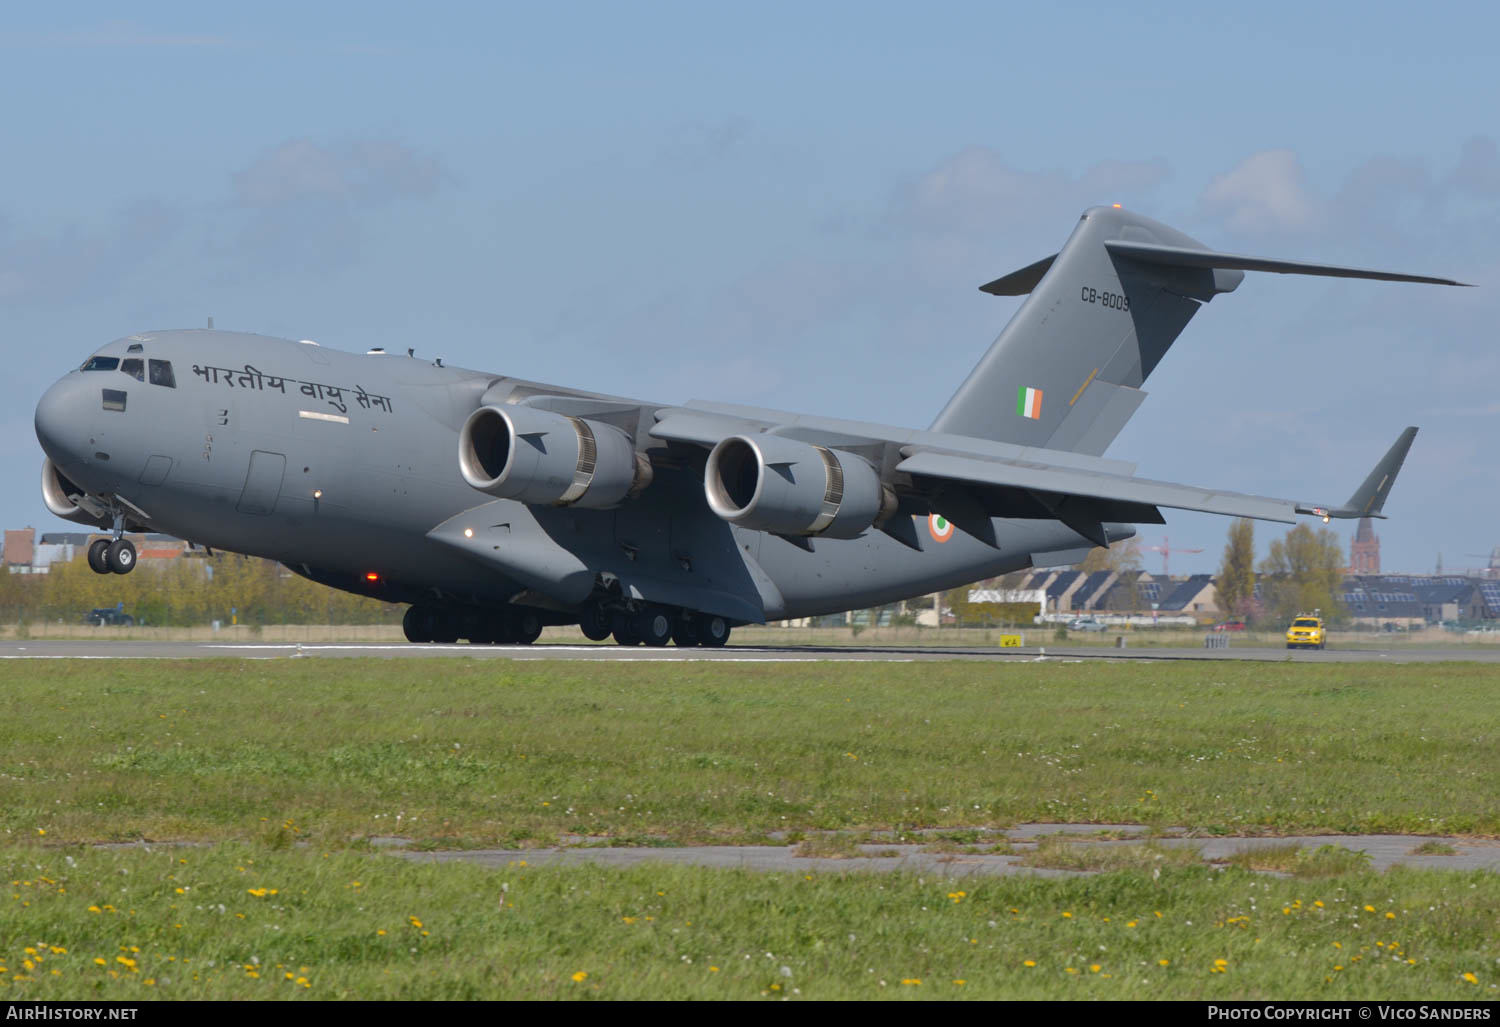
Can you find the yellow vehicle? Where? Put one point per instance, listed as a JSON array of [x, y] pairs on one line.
[[1307, 632]]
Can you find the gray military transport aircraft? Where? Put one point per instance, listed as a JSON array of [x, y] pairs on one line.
[[495, 506]]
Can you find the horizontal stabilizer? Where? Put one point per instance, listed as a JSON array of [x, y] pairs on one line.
[[1180, 256], [1019, 283]]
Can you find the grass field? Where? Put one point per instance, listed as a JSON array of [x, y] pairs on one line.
[[292, 765]]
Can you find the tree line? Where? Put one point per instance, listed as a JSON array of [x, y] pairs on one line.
[[185, 592], [1302, 572]]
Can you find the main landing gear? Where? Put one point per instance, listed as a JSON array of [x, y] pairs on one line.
[[654, 625]]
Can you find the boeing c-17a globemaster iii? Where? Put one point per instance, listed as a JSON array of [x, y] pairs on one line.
[[495, 506]]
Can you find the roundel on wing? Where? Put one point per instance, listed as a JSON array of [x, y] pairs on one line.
[[939, 527]]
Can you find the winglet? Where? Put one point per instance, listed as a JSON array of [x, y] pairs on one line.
[[1369, 498]]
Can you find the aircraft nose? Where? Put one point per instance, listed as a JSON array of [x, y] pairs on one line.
[[59, 416]]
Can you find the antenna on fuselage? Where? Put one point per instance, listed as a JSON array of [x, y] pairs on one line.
[[210, 322]]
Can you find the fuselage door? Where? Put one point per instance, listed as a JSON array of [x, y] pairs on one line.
[[262, 483]]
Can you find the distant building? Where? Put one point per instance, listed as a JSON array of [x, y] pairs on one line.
[[20, 549], [1364, 551]]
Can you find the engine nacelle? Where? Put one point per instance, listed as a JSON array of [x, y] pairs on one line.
[[770, 483], [543, 458], [68, 501]]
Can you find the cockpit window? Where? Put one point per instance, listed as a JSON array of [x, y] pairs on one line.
[[161, 374], [100, 364], [135, 367], [134, 347]]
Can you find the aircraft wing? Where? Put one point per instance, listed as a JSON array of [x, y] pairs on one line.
[[970, 481]]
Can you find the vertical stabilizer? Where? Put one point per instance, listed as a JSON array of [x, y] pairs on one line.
[[1066, 372]]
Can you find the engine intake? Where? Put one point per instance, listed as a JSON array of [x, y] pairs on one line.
[[543, 458], [770, 483], [66, 500]]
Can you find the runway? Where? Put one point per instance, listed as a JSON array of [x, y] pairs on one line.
[[149, 650]]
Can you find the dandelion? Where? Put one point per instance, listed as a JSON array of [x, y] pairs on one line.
[[579, 976], [1067, 915], [415, 922], [304, 982], [960, 982], [1029, 962], [713, 969], [1390, 916], [915, 982], [1071, 969], [1369, 909], [1094, 968], [1471, 978]]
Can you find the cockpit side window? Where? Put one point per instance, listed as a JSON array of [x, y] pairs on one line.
[[100, 364], [135, 367], [161, 374]]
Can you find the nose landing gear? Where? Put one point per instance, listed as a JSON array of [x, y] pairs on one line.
[[106, 557]]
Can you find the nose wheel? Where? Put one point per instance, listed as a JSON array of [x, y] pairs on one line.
[[106, 557], [120, 556]]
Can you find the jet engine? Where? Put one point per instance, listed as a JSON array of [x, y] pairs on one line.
[[67, 500], [770, 483], [543, 458]]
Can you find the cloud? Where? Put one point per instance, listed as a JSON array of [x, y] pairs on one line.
[[110, 35], [1478, 169], [977, 192], [1264, 194], [41, 268], [707, 140], [306, 202], [363, 173]]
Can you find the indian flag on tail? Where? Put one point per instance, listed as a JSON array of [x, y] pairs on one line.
[[1029, 403]]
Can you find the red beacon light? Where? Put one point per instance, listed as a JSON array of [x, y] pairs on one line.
[[371, 576]]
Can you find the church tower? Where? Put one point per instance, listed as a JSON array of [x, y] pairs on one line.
[[1364, 551]]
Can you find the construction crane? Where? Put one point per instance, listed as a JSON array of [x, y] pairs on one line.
[[1165, 549]]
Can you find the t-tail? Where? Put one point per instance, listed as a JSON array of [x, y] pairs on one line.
[[1066, 372]]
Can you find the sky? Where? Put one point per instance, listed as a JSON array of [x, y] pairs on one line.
[[785, 205]]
